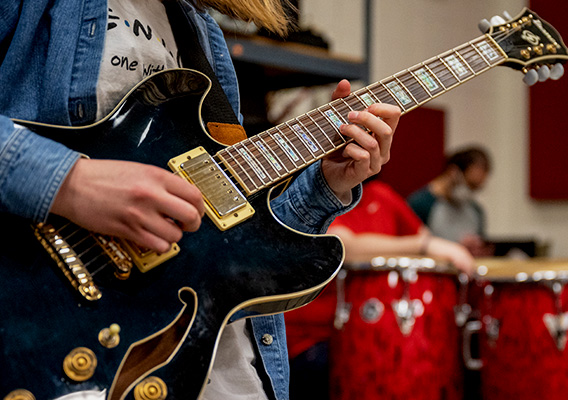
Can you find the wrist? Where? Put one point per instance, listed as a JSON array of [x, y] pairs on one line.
[[424, 243]]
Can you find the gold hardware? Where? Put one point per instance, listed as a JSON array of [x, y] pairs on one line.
[[109, 337], [551, 48], [146, 259], [525, 53], [151, 388], [121, 260], [539, 50], [225, 205], [80, 364], [20, 394], [67, 260]]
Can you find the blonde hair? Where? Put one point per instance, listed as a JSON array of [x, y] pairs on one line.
[[269, 14]]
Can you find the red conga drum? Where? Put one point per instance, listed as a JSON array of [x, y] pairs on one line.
[[396, 335], [520, 330]]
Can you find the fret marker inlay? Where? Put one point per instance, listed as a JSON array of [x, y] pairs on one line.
[[427, 79], [305, 137], [399, 93], [334, 118], [287, 148], [252, 163], [487, 50], [456, 65], [367, 99], [269, 156]]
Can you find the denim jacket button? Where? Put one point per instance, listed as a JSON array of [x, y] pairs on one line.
[[267, 339]]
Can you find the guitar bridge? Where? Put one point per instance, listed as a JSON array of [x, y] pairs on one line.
[[67, 260], [225, 205]]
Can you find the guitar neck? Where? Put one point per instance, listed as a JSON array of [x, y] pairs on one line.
[[266, 158]]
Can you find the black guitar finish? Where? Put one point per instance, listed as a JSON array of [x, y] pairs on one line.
[[257, 267]]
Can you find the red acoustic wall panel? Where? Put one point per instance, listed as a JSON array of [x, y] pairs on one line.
[[417, 153], [549, 118]]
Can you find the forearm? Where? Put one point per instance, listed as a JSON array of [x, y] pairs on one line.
[[365, 246]]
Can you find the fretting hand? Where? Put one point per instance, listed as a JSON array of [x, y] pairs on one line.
[[369, 151]]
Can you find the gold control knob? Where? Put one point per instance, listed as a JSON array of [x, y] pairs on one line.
[[20, 394], [151, 388], [109, 337], [80, 364]]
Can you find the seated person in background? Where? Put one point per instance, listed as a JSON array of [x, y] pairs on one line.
[[382, 223], [446, 204]]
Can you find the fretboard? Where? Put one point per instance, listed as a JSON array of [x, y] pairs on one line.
[[265, 159]]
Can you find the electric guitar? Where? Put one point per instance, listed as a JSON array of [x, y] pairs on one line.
[[83, 311]]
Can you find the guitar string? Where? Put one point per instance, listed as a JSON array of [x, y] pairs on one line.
[[444, 76]]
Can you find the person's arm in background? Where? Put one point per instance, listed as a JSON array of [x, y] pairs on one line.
[[365, 246]]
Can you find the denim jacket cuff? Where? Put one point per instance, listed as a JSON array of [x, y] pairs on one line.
[[309, 204], [31, 195]]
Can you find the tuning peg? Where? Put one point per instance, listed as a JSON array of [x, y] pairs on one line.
[[543, 73], [497, 20], [556, 72], [507, 16], [484, 25], [531, 77]]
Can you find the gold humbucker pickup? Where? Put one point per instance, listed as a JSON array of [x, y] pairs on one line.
[[146, 259], [225, 205]]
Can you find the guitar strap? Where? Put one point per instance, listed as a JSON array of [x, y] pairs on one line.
[[222, 123]]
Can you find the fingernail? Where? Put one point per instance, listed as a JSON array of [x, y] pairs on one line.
[[353, 114]]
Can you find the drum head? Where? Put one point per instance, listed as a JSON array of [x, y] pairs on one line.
[[529, 270]]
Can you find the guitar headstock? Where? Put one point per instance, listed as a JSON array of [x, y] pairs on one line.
[[531, 45]]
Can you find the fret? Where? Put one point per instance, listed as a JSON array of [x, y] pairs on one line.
[[252, 162], [318, 122], [443, 72], [295, 142], [383, 95], [474, 59], [366, 98], [320, 137], [327, 128], [347, 104], [246, 181], [335, 120], [343, 108], [457, 67], [414, 87], [274, 154], [311, 143], [460, 57], [333, 117], [401, 98], [490, 51], [284, 147], [429, 82], [269, 163], [435, 76]]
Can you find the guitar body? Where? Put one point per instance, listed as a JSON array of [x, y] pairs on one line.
[[171, 316], [258, 267]]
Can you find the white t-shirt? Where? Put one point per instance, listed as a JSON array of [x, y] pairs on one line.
[[140, 42]]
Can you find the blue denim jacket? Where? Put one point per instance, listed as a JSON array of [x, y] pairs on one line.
[[50, 52]]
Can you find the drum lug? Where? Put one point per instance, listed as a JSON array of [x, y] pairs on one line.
[[342, 309], [462, 313], [557, 325], [406, 312]]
